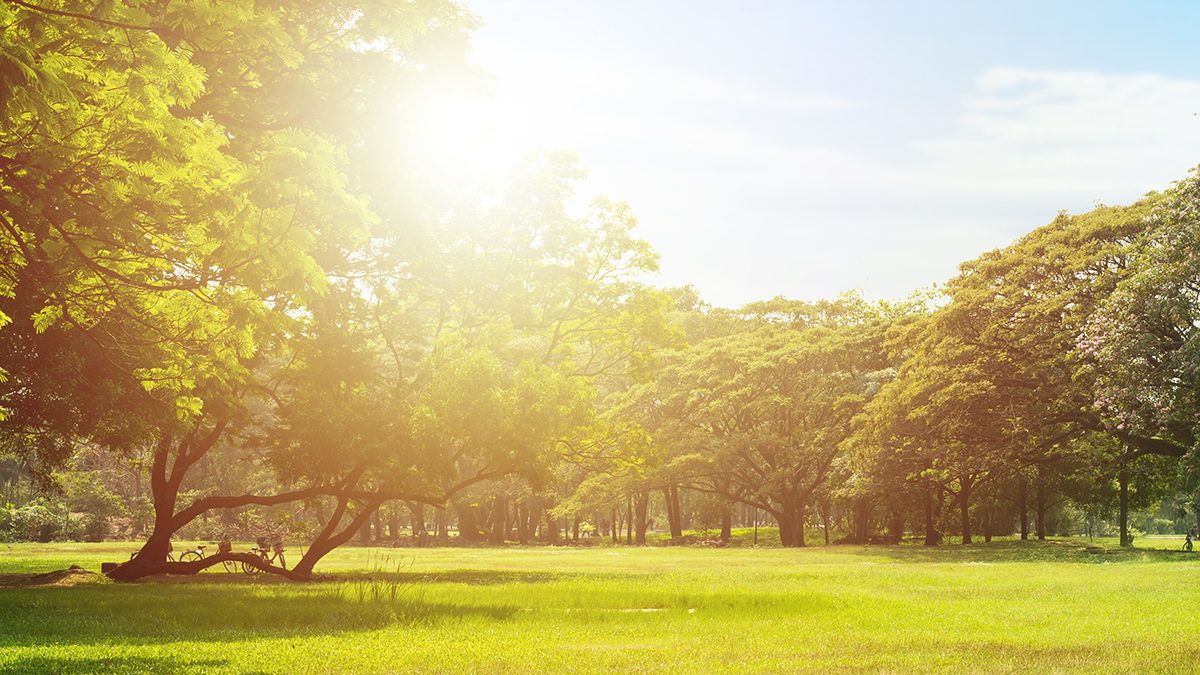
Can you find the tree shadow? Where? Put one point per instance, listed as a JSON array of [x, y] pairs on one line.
[[148, 613], [472, 577], [1053, 550], [115, 664]]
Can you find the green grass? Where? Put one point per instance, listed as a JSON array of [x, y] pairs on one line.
[[993, 607]]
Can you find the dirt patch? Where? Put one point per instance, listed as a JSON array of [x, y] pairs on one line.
[[72, 576]]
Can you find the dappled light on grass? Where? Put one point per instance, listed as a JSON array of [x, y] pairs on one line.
[[979, 607]]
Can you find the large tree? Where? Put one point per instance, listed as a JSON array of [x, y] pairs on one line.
[[174, 193], [758, 416]]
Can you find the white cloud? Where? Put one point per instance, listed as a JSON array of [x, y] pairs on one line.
[[1068, 133], [743, 191], [1022, 145]]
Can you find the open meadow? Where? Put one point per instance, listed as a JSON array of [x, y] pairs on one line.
[[987, 607]]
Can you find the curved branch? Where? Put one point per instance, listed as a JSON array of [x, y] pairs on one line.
[[83, 17], [132, 570], [204, 504]]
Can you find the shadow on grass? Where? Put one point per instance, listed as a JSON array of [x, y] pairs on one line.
[[207, 610], [1053, 550], [472, 577], [115, 664]]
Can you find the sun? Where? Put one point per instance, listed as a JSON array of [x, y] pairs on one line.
[[461, 134]]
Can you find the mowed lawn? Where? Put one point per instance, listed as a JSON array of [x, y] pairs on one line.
[[987, 607]]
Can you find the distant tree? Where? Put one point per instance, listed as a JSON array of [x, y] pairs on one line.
[[758, 416]]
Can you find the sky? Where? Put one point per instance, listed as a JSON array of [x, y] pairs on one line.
[[807, 148]]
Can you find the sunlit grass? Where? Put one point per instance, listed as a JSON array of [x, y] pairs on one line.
[[999, 606]]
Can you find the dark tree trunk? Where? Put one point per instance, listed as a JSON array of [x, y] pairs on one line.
[[1123, 518], [615, 526], [629, 520], [575, 530], [964, 504], [862, 522], [330, 538], [787, 527], [468, 526], [674, 515], [164, 493], [1023, 503], [825, 521], [535, 518], [522, 523], [393, 520], [418, 520], [727, 524], [987, 524], [896, 526], [499, 518], [798, 538], [1041, 506], [933, 536], [642, 503]]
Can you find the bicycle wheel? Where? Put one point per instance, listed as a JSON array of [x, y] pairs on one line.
[[190, 556], [231, 566], [250, 569]]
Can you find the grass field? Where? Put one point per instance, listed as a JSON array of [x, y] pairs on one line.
[[987, 607]]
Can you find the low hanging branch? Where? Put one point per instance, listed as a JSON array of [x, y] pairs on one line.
[[327, 540], [196, 566]]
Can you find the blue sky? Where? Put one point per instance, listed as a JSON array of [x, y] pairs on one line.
[[801, 149]]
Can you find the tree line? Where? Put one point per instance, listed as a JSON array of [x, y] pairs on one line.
[[228, 303]]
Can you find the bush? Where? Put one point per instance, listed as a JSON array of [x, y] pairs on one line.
[[38, 520]]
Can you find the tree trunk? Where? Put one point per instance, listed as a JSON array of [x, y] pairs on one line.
[[327, 540], [798, 538], [825, 521], [896, 526], [615, 526], [164, 492], [418, 520], [642, 503], [727, 524], [933, 536], [987, 524], [522, 523], [787, 526], [674, 515], [1123, 484], [499, 518], [575, 530], [393, 521], [468, 526], [862, 522], [629, 520], [964, 504], [1041, 506], [1023, 502]]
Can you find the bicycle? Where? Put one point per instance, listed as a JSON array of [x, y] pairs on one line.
[[170, 557], [195, 555], [275, 554]]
